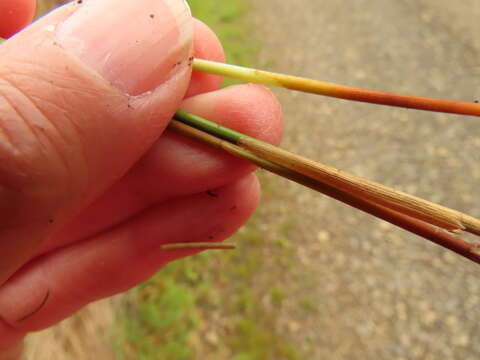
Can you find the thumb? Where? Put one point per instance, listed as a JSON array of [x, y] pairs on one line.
[[84, 92]]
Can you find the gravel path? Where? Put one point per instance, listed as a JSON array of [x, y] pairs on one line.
[[381, 293]]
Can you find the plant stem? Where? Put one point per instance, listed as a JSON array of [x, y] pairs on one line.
[[418, 208], [198, 246], [335, 90], [403, 221], [435, 214], [208, 126]]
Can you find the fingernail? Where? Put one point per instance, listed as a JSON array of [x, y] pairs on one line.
[[133, 44]]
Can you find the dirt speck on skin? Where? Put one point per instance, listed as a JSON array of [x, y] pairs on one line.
[[213, 194], [382, 293], [177, 64]]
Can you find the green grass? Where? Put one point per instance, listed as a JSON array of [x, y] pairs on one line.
[[43, 6], [227, 19], [159, 320]]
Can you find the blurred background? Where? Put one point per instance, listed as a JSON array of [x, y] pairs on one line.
[[313, 279]]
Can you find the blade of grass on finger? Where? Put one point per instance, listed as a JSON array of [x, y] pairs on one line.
[[198, 246]]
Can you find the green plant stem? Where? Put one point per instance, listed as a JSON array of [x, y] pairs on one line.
[[335, 90], [416, 226], [432, 213], [209, 126]]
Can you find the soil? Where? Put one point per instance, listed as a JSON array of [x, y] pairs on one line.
[[380, 293]]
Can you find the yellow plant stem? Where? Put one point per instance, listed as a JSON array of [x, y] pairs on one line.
[[335, 90]]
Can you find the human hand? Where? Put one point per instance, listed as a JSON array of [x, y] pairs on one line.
[[89, 190]]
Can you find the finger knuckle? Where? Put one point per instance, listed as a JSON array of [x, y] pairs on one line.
[[34, 159]]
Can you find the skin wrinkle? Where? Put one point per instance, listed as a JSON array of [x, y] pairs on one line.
[[66, 141], [8, 138], [22, 119], [75, 128], [45, 134], [6, 133], [42, 75], [80, 145], [12, 186]]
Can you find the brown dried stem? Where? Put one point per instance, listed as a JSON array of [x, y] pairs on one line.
[[403, 221]]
